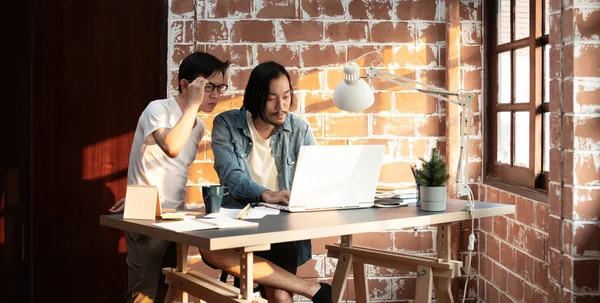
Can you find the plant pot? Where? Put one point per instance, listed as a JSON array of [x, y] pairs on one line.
[[433, 198]]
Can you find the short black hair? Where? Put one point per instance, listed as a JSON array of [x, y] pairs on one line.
[[257, 90], [200, 64]]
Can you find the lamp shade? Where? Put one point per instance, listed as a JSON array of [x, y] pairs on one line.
[[353, 94]]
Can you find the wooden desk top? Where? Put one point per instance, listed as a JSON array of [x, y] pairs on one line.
[[310, 225]]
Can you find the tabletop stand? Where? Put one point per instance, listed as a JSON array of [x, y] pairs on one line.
[[183, 281], [431, 272]]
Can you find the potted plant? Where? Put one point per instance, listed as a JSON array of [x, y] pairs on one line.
[[432, 179]]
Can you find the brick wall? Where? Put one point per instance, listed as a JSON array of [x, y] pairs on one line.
[[313, 39], [551, 252]]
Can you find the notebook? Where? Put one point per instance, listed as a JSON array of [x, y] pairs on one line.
[[334, 177]]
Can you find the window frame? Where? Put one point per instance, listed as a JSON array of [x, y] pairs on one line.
[[532, 181]]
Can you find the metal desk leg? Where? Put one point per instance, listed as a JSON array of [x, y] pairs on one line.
[[342, 270], [442, 285]]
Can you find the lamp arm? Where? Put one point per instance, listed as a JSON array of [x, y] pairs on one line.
[[464, 101]]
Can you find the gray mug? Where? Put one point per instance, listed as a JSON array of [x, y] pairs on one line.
[[213, 196]]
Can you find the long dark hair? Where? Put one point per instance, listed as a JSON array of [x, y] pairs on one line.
[[257, 90]]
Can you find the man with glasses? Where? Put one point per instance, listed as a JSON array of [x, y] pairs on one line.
[[164, 146]]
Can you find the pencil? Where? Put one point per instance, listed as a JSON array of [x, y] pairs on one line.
[[245, 211]]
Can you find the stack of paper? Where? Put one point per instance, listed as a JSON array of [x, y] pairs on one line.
[[226, 222], [184, 225]]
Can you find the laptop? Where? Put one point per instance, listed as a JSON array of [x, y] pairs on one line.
[[334, 177]]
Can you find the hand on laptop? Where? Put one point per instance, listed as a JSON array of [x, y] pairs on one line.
[[282, 196]]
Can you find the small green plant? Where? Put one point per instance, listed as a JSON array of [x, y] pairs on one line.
[[433, 172]]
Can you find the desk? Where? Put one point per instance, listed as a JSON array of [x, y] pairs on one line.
[[300, 226]]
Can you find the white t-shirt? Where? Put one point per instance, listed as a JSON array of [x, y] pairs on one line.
[[260, 159], [149, 165]]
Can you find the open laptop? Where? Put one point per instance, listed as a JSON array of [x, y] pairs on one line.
[[334, 177]]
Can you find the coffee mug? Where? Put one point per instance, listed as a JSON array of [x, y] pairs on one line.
[[213, 196]]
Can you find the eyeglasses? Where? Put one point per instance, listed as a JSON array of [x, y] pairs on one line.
[[210, 87]]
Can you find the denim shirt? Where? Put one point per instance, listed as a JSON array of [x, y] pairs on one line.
[[231, 143]]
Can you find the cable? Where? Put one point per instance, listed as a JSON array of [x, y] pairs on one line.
[[470, 246]]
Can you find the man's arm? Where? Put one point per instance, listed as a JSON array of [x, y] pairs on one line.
[[172, 140], [227, 166]]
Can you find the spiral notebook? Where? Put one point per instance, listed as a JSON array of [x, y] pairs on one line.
[[141, 202]]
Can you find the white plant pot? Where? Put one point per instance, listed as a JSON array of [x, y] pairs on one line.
[[433, 198]]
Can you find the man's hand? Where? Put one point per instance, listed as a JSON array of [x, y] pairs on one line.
[[118, 208], [282, 196], [196, 91]]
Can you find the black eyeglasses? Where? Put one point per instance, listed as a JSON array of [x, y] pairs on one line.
[[210, 87]]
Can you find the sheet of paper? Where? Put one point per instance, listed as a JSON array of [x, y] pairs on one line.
[[226, 222], [225, 213], [184, 225], [260, 212]]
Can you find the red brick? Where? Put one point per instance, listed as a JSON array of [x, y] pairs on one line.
[[311, 269], [318, 245], [429, 32], [555, 164], [434, 77], [389, 173], [587, 207], [586, 62], [499, 277], [375, 10], [286, 55], [320, 9], [516, 234], [500, 227], [228, 102], [319, 102], [433, 126], [470, 56], [493, 248], [238, 55], [524, 211], [302, 31], [179, 53], [176, 32], [554, 199], [525, 265], [533, 295], [252, 31], [378, 289], [567, 275], [586, 97], [586, 170], [487, 224], [541, 274], [471, 10], [567, 94], [415, 103], [585, 275], [202, 173], [586, 21], [404, 289], [535, 243], [354, 52], [306, 79], [514, 287], [493, 195], [491, 293], [582, 243], [277, 9], [507, 256], [567, 158], [354, 31], [383, 103], [421, 242], [567, 202], [568, 238], [346, 126], [568, 134], [421, 55], [416, 10], [586, 133], [485, 268], [229, 8], [567, 24], [393, 126], [388, 32], [211, 31], [239, 78], [541, 216], [318, 55], [554, 269], [382, 240], [472, 80], [182, 7]]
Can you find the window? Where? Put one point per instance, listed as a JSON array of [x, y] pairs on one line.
[[518, 95]]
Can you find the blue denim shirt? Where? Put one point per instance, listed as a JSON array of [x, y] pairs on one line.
[[231, 143]]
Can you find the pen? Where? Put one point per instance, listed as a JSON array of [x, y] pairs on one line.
[[245, 211]]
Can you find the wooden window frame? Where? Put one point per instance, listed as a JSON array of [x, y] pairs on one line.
[[530, 181]]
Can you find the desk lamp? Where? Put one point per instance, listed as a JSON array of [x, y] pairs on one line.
[[354, 94]]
